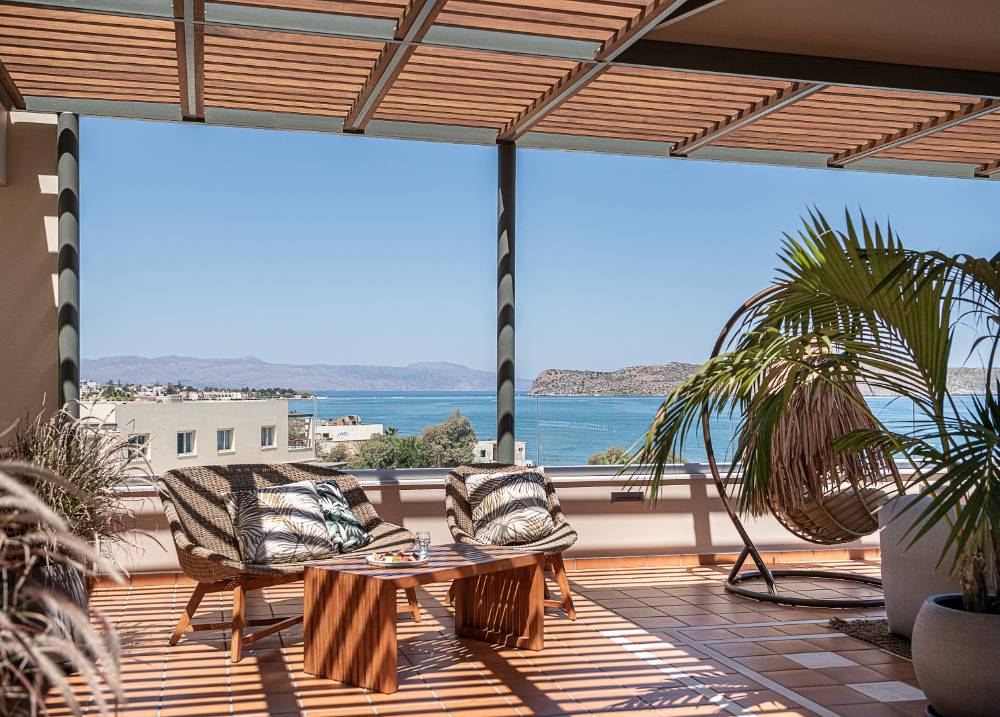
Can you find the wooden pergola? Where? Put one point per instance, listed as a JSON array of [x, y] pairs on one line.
[[799, 82]]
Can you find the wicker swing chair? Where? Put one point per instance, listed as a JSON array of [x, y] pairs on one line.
[[820, 496]]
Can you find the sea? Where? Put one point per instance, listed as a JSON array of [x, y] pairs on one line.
[[557, 430]]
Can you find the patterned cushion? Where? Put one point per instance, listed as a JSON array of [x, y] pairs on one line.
[[509, 508], [284, 524], [345, 530]]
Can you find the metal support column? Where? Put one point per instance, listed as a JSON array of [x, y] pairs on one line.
[[506, 186], [69, 262]]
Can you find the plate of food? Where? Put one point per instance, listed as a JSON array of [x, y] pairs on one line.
[[398, 559]]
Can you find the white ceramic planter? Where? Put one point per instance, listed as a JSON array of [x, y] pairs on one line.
[[956, 656], [909, 576]]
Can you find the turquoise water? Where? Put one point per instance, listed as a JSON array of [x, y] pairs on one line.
[[557, 430]]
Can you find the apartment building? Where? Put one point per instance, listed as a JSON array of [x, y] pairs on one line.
[[192, 433]]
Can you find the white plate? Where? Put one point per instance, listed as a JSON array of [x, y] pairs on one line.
[[388, 564]]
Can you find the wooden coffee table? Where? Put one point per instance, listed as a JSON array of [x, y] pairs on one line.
[[350, 608]]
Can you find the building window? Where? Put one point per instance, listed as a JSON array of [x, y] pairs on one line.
[[267, 436], [224, 440], [185, 443], [138, 446]]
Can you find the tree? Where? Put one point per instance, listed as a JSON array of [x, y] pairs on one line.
[[451, 443], [616, 455], [387, 451], [613, 456]]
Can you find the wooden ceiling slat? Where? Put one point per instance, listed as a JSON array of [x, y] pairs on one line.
[[222, 84], [386, 9], [62, 58], [611, 79], [458, 113], [534, 16], [345, 75], [124, 30], [602, 131], [74, 66], [697, 120], [65, 89], [454, 98], [93, 44], [283, 59], [760, 84], [52, 16], [625, 122], [270, 107], [566, 32], [416, 79], [281, 39], [331, 84]]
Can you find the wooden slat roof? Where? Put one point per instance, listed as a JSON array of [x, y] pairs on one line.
[[549, 73]]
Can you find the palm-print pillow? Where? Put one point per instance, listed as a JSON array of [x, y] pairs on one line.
[[345, 530], [283, 524], [509, 508]]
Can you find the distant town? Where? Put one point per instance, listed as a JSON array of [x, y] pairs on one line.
[[118, 391]]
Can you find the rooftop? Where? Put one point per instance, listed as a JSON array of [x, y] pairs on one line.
[[652, 638]]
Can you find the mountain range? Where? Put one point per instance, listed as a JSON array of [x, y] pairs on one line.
[[253, 372]]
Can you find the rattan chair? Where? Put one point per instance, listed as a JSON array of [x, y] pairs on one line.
[[208, 552], [459, 515]]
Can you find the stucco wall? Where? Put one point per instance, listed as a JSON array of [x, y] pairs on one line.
[[28, 264]]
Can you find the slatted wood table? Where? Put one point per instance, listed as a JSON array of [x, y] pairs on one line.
[[350, 608]]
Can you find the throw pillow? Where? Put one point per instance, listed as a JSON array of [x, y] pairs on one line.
[[283, 524], [509, 508], [345, 530]]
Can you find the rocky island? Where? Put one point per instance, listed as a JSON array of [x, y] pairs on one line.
[[661, 380]]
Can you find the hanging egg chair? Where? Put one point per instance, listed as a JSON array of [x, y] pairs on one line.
[[820, 495]]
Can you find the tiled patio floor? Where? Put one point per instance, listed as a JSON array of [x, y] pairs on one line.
[[652, 641]]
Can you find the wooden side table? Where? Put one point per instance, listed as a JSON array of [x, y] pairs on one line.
[[350, 608]]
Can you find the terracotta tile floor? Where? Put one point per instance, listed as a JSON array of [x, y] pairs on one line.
[[649, 641]]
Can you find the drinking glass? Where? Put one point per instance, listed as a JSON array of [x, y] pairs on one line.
[[423, 541]]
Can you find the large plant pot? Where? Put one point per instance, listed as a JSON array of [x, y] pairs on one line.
[[957, 658], [910, 574]]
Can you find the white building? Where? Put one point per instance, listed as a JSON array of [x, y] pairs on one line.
[[486, 452], [327, 433], [196, 433]]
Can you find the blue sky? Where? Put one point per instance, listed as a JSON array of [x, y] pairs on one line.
[[308, 248]]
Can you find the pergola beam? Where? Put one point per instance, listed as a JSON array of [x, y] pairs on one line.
[[777, 101], [655, 54], [917, 131], [412, 26], [654, 15], [189, 33]]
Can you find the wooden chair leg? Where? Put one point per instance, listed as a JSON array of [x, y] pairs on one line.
[[411, 597], [192, 606], [239, 614], [451, 593], [559, 568]]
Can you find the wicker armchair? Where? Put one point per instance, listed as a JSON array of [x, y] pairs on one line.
[[459, 516], [206, 542]]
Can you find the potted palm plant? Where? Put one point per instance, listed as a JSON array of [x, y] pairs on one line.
[[853, 308]]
